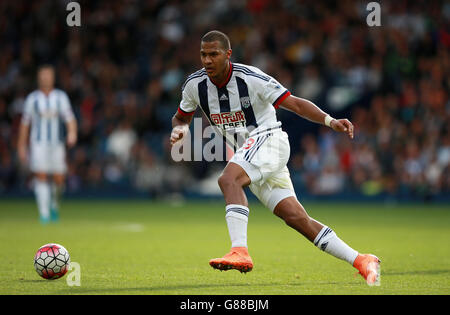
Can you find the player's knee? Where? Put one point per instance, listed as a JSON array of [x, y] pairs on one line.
[[225, 181], [40, 177], [59, 180]]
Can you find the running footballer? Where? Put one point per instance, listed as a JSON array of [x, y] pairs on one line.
[[242, 100]]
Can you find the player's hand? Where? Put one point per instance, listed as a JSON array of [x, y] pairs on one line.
[[177, 134], [342, 125], [22, 152], [71, 139]]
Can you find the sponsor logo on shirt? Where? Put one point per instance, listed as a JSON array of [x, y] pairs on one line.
[[229, 120]]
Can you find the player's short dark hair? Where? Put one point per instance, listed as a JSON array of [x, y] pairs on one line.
[[213, 36]]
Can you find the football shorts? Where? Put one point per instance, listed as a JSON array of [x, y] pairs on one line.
[[264, 156], [49, 159]]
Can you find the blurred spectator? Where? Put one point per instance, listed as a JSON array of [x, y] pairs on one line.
[[120, 141]]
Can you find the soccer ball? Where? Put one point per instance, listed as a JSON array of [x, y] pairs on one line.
[[51, 261]]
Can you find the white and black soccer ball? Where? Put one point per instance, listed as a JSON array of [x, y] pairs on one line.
[[51, 261]]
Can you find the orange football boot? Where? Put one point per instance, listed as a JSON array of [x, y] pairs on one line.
[[238, 258], [369, 267]]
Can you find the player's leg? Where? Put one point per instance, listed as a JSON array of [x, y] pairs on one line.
[[39, 166], [42, 194], [232, 182], [263, 153], [57, 188], [295, 216], [293, 213], [58, 168]]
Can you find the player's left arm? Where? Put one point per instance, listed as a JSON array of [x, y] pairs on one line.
[[312, 112], [70, 120], [72, 127]]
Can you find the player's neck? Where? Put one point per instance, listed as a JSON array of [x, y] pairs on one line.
[[46, 91], [224, 77]]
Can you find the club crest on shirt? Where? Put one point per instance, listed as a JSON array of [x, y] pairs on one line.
[[245, 101]]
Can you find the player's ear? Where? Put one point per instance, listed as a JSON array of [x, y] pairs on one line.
[[229, 51]]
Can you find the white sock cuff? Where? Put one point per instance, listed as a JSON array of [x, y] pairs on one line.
[[237, 211], [236, 206], [328, 242], [324, 234]]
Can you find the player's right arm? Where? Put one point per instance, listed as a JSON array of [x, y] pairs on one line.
[[180, 126], [183, 117], [24, 130]]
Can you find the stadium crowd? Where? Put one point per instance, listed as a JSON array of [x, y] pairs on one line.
[[124, 66]]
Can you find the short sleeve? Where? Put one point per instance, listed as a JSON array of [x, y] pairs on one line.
[[274, 93], [65, 107], [188, 105], [27, 113]]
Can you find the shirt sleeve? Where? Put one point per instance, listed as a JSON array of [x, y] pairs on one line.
[[274, 93], [27, 113], [188, 105], [65, 107]]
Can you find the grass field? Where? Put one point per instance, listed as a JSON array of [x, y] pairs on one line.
[[141, 247]]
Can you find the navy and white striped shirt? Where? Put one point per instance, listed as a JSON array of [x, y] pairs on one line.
[[46, 113], [245, 103]]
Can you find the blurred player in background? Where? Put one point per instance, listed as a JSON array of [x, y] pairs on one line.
[[45, 111], [240, 99]]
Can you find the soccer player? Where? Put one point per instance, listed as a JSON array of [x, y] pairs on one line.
[[242, 99], [44, 112]]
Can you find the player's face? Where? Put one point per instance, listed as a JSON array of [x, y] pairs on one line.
[[46, 78], [215, 59]]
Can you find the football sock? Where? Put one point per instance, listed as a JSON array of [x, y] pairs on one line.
[[237, 219], [42, 193], [56, 191], [328, 241]]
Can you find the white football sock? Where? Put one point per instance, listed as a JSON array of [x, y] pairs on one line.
[[237, 219], [328, 241], [42, 193], [56, 192]]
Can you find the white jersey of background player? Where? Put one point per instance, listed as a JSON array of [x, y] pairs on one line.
[[234, 96], [45, 112]]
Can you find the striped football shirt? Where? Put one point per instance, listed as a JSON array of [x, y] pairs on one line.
[[245, 102], [46, 114]]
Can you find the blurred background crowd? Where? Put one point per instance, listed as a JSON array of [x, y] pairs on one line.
[[124, 67]]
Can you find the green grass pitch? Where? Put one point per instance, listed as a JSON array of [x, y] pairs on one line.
[[144, 247]]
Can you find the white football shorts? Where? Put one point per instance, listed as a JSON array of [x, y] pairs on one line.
[[264, 156], [49, 159]]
